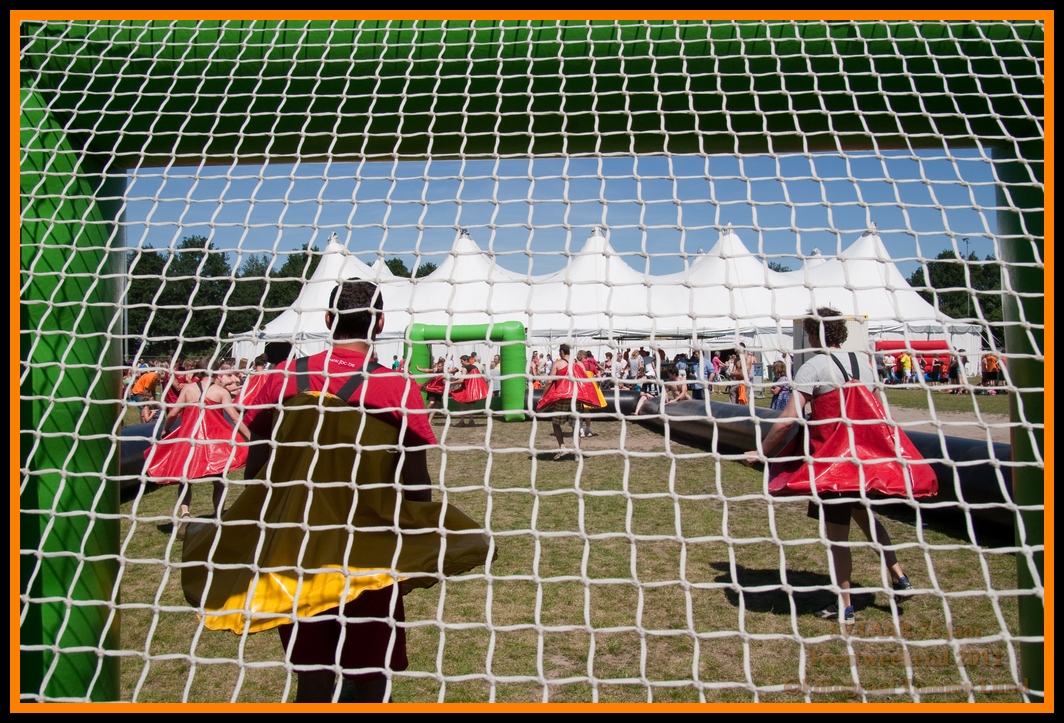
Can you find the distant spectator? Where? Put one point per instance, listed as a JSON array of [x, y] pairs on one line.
[[989, 369], [781, 386], [718, 369], [143, 393], [698, 375]]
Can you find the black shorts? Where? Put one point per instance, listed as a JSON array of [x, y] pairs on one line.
[[365, 644], [837, 507]]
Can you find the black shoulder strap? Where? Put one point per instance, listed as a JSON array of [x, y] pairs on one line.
[[845, 376], [346, 391], [355, 381], [853, 367], [303, 374]]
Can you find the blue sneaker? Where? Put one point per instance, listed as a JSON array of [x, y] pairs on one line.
[[831, 612], [904, 587]]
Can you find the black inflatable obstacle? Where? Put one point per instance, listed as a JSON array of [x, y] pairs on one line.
[[973, 475]]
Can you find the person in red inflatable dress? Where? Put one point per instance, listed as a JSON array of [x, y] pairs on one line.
[[205, 445], [470, 388], [568, 391], [435, 387], [819, 382]]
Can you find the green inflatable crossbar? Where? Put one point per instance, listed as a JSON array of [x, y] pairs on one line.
[[512, 356]]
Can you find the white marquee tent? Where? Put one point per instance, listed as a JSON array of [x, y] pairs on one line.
[[727, 294]]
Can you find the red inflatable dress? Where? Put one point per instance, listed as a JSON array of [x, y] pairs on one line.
[[435, 387], [474, 388], [559, 397], [880, 453], [204, 445]]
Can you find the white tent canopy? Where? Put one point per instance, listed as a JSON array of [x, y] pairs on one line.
[[727, 292]]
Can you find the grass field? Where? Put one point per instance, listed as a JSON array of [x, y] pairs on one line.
[[639, 570]]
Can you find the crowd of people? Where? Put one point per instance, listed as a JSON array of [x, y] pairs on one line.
[[940, 369]]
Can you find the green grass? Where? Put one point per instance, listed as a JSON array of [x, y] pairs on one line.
[[943, 401], [923, 397], [631, 573]]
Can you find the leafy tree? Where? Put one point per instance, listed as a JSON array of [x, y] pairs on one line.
[[145, 267], [244, 307], [195, 283], [399, 268], [777, 266], [425, 268], [286, 282], [963, 289]]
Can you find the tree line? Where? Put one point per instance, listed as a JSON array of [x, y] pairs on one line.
[[191, 296], [964, 289]]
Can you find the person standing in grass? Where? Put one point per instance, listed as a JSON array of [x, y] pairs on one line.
[[570, 392], [736, 377], [781, 386], [349, 465], [818, 382], [144, 390], [204, 446]]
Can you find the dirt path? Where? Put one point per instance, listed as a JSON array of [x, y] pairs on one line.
[[954, 424]]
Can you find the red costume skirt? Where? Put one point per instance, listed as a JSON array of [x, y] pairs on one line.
[[204, 445], [474, 389], [435, 386]]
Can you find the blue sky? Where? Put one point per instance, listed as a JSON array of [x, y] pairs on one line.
[[529, 211]]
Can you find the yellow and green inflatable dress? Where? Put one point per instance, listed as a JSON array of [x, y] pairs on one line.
[[325, 522]]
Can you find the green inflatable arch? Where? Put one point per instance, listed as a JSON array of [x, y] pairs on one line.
[[512, 356], [98, 98]]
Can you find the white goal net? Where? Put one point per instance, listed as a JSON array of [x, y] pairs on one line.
[[629, 220]]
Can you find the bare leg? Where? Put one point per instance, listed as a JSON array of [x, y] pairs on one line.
[[861, 516], [842, 560], [185, 498], [559, 434]]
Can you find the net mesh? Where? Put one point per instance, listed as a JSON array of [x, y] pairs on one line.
[[197, 190]]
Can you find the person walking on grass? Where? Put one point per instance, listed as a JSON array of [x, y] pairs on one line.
[[204, 446], [818, 382], [567, 395]]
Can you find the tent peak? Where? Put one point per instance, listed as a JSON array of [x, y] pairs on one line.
[[333, 245], [868, 246]]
